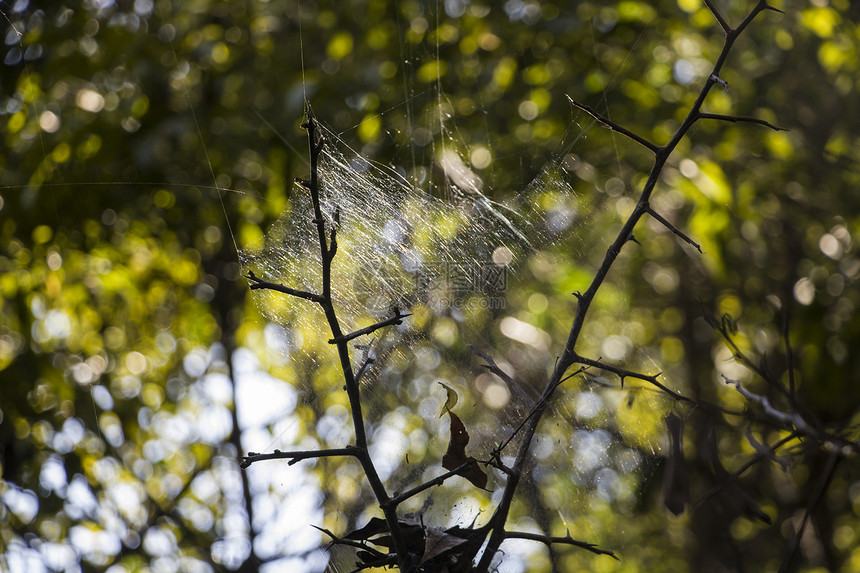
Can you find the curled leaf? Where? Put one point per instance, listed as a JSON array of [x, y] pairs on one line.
[[451, 401]]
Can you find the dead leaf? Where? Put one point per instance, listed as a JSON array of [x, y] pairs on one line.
[[456, 454], [438, 542], [451, 401], [374, 527]]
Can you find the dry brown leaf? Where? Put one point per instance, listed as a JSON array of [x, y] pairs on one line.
[[456, 454]]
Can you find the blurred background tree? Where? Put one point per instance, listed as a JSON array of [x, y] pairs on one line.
[[146, 143]]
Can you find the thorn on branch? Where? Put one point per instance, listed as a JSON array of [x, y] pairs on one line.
[[773, 9], [367, 361]]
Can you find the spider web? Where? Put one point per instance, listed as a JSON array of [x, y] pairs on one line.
[[398, 246], [437, 246], [435, 251]]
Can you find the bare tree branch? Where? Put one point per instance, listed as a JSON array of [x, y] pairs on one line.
[[723, 24], [295, 457], [566, 540], [264, 284], [328, 249], [622, 373], [674, 229], [793, 420], [609, 124], [438, 480], [569, 355], [396, 319], [740, 118], [750, 463], [363, 545], [495, 369]]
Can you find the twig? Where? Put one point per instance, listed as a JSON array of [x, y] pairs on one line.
[[566, 540], [363, 368], [672, 228], [438, 480], [264, 284], [820, 487], [352, 388], [396, 319], [351, 542], [723, 328], [295, 457], [793, 420], [723, 24], [495, 369], [622, 373], [537, 407], [789, 353], [740, 118], [609, 124], [328, 249]]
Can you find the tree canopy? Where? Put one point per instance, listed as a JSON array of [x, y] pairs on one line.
[[150, 149]]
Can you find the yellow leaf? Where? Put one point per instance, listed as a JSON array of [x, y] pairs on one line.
[[451, 401]]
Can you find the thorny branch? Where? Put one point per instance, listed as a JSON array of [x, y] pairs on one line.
[[612, 126], [566, 540], [495, 369], [328, 250], [569, 355], [295, 457], [259, 283]]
